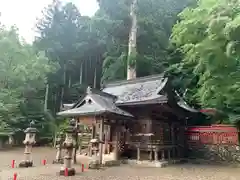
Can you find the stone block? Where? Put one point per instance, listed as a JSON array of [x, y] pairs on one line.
[[60, 161], [71, 172], [25, 164], [161, 164], [112, 163], [94, 164]]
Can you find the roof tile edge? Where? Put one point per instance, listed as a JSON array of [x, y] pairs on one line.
[[131, 81]]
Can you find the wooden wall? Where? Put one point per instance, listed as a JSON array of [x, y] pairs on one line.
[[87, 120]]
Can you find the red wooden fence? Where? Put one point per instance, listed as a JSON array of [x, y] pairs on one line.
[[215, 134]]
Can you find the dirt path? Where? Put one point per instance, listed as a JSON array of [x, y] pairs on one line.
[[124, 172]]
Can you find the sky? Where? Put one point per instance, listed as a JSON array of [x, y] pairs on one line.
[[23, 13]]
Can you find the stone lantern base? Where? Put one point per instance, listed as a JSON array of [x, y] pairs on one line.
[[25, 164], [94, 164], [59, 161], [71, 172]]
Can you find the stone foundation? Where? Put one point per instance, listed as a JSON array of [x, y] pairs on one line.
[[108, 161], [216, 153], [158, 164], [111, 163]]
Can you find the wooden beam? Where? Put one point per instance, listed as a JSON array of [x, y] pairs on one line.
[[101, 140], [173, 111], [159, 115]]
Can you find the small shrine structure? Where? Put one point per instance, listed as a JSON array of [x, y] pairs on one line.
[[142, 118]]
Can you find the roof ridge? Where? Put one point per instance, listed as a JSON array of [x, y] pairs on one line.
[[132, 81], [102, 98], [101, 93], [90, 90]]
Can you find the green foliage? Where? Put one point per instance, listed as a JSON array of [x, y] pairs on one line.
[[63, 125], [22, 74], [207, 36]]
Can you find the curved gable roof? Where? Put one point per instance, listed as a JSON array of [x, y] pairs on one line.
[[95, 104]]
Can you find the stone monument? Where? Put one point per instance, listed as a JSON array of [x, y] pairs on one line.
[[68, 145], [59, 143], [29, 142]]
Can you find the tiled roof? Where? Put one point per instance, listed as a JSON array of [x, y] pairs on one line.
[[95, 104], [138, 90]]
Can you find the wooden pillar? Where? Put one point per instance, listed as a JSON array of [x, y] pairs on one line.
[[172, 134], [93, 131], [101, 132], [1, 143], [169, 154], [138, 153], [105, 138], [150, 155], [109, 139], [155, 154], [173, 139], [92, 137], [173, 152], [163, 155], [116, 138]]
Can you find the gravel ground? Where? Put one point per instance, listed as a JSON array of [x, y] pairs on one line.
[[124, 172]]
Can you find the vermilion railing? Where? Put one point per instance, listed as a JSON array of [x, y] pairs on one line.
[[215, 134]]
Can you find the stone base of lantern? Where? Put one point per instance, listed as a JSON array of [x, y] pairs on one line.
[[58, 161], [25, 164], [94, 164], [161, 164], [71, 172]]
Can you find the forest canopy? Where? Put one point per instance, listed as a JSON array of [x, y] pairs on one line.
[[207, 38]]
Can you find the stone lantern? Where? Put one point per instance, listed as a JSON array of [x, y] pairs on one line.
[[95, 161], [29, 142], [59, 143], [68, 145]]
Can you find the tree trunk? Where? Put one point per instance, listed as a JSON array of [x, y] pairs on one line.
[[95, 77], [64, 83], [55, 139], [81, 73], [55, 103], [46, 97], [131, 67], [69, 82]]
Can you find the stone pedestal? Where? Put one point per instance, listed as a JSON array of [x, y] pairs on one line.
[[68, 165], [71, 172], [27, 162]]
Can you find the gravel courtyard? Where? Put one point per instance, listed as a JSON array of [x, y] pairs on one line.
[[124, 172]]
